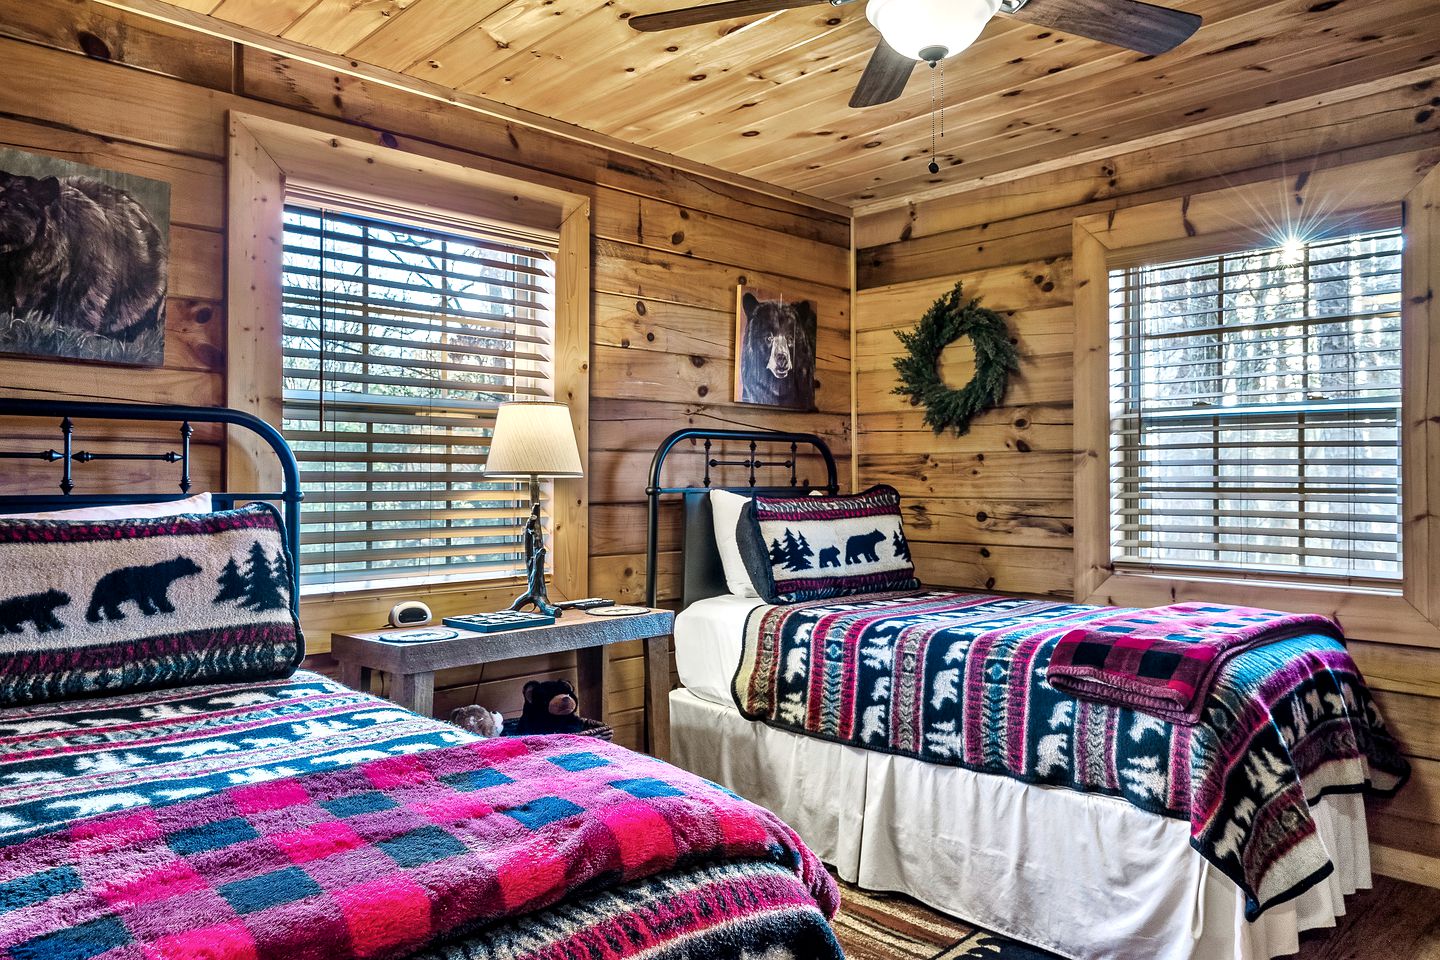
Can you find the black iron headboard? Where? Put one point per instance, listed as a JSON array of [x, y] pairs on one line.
[[65, 413], [702, 575]]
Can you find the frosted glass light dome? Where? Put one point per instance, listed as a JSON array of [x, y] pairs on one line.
[[934, 28]]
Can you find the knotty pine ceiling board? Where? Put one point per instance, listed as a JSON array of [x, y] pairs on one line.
[[766, 97]]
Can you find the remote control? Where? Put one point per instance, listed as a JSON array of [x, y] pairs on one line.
[[589, 603]]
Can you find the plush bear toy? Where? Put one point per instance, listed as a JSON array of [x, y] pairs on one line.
[[550, 707]]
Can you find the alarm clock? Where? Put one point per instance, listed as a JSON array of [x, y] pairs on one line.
[[410, 613]]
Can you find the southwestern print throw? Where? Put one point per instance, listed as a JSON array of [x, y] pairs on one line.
[[298, 818], [1165, 660], [104, 606], [810, 548], [959, 679]]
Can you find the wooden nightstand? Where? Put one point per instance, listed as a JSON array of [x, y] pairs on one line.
[[411, 666]]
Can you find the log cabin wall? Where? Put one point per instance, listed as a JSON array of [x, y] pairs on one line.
[[995, 508], [86, 83]]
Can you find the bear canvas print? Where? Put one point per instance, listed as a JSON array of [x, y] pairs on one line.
[[775, 350], [84, 257]]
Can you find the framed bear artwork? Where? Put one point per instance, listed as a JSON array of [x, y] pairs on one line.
[[775, 350], [84, 259]]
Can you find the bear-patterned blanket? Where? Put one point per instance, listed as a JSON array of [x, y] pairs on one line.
[[959, 679], [296, 819]]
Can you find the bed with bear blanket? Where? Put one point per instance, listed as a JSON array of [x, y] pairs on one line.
[[1178, 785], [173, 788]]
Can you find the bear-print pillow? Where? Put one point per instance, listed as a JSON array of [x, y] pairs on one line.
[[814, 548], [91, 607]]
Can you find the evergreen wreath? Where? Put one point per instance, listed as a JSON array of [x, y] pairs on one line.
[[948, 319]]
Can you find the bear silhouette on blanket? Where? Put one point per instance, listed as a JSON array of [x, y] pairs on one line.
[[861, 547], [36, 608], [147, 587]]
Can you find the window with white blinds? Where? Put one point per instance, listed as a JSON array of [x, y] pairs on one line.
[[1256, 411], [401, 338]]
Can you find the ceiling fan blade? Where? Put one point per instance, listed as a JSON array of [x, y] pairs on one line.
[[884, 78], [713, 12], [1125, 23]]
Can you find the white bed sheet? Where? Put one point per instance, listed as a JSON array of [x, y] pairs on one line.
[[709, 636], [1083, 875]]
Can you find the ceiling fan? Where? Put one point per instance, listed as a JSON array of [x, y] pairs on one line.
[[915, 31]]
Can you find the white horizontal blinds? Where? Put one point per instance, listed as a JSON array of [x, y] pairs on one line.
[[1256, 409], [400, 340]]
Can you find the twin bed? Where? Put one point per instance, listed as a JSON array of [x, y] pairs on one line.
[[173, 788], [1090, 830]]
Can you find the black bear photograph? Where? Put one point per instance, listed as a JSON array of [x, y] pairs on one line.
[[775, 347], [84, 257]]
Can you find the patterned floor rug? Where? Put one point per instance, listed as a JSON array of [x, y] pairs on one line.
[[880, 926]]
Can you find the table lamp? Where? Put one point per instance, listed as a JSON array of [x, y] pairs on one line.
[[533, 440]]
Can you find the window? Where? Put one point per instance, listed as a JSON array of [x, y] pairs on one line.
[[401, 336], [1255, 410]]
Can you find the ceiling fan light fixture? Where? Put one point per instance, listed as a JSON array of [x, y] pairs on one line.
[[930, 30]]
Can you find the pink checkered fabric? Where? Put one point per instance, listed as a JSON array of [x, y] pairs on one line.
[[375, 860], [1164, 660]]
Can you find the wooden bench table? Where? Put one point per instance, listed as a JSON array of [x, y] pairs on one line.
[[411, 667]]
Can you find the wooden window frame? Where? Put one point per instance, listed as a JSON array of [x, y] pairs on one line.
[[1404, 189], [265, 155]]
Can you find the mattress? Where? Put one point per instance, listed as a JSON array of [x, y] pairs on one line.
[[709, 636], [1027, 861]]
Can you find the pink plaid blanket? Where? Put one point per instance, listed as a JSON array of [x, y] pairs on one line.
[[377, 859], [1164, 660]]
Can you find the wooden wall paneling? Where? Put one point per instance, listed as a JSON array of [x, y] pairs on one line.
[[988, 237], [1299, 142], [671, 298], [571, 508]]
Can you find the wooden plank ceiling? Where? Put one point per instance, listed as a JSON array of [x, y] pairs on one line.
[[766, 97]]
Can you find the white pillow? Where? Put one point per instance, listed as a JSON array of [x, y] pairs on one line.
[[200, 503], [725, 507]]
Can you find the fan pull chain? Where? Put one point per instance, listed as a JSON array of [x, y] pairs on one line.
[[937, 109]]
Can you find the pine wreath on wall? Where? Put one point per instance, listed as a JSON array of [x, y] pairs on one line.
[[948, 319]]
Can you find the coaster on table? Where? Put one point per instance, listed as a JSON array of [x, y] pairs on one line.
[[419, 636], [617, 611]]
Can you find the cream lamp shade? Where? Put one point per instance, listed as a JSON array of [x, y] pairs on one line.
[[533, 439]]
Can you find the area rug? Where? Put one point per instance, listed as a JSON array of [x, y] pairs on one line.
[[882, 926]]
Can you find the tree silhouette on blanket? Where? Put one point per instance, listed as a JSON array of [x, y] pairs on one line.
[[901, 545], [792, 552], [264, 588], [231, 583]]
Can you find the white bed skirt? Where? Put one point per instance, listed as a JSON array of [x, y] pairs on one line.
[[1088, 877]]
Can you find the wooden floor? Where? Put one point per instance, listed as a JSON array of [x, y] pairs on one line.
[[1392, 921]]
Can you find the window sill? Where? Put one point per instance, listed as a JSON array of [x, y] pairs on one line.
[[408, 586], [1261, 580]]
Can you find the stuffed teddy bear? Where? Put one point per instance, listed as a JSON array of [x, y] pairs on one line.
[[550, 707], [477, 720]]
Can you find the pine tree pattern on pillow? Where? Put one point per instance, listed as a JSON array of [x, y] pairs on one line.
[[93, 607], [814, 548]]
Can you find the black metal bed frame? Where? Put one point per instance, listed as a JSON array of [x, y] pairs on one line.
[[702, 575], [67, 412]]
